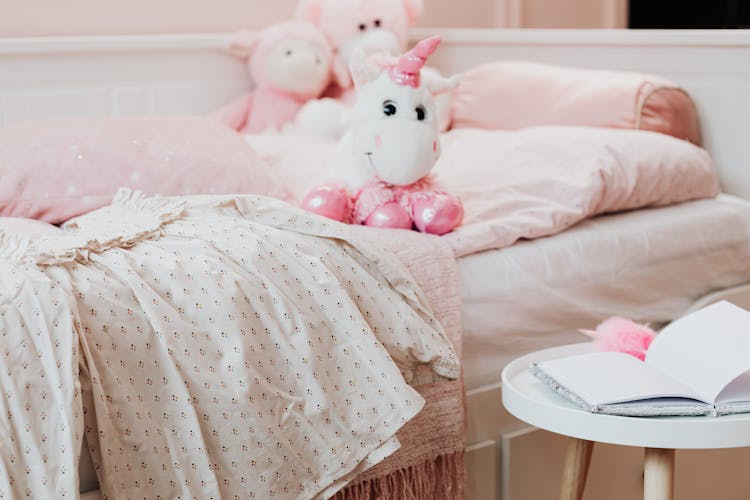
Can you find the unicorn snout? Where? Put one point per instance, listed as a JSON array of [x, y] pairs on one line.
[[401, 152]]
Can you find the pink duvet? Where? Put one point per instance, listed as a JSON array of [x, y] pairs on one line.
[[533, 182]]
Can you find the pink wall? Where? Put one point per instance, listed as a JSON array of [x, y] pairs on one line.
[[460, 13], [573, 13], [104, 17]]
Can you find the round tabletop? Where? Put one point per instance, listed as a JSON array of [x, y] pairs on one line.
[[529, 399]]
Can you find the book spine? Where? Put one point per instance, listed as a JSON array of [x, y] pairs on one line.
[[655, 410], [732, 408]]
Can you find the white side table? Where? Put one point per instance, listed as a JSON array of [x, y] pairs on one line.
[[530, 400]]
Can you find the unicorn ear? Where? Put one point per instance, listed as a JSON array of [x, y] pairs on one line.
[[414, 9], [243, 43], [438, 84], [309, 10], [361, 69]]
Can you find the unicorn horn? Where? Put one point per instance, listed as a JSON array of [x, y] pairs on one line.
[[406, 70]]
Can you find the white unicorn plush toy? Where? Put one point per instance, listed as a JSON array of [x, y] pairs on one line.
[[380, 174]]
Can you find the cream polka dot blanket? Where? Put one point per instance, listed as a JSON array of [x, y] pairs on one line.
[[228, 347]]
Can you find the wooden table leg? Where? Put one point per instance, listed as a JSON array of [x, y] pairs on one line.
[[658, 481], [577, 460]]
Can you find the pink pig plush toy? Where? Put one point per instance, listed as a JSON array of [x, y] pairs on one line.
[[290, 63], [382, 164], [372, 26]]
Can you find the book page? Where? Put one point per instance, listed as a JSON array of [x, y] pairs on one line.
[[600, 378], [705, 350], [738, 391]]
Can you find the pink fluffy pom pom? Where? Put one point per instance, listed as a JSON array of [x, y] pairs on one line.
[[622, 335]]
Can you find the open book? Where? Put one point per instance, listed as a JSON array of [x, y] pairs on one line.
[[698, 365]]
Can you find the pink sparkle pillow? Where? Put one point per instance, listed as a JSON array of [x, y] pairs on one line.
[[511, 95], [53, 170]]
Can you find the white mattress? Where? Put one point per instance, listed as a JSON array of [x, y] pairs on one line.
[[648, 265]]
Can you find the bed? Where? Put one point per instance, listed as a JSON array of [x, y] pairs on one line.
[[635, 258]]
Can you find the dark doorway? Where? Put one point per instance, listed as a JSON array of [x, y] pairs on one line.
[[692, 14]]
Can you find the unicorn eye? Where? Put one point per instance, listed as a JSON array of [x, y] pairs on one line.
[[421, 113], [362, 27], [389, 108], [377, 23]]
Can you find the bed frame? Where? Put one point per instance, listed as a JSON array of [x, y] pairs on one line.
[[192, 74]]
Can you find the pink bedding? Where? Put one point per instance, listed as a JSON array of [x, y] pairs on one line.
[[533, 182]]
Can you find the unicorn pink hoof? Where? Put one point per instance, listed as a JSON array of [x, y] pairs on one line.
[[329, 200], [391, 215], [438, 214]]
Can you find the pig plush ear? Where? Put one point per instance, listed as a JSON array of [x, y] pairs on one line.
[[438, 84], [341, 74], [309, 10], [414, 9], [361, 69], [243, 43], [382, 60]]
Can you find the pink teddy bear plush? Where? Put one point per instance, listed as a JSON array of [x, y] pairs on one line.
[[373, 27], [381, 169], [290, 63]]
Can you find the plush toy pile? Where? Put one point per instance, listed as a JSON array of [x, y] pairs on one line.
[[338, 71], [300, 69]]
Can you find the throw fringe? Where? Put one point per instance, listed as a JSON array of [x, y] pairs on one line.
[[441, 478]]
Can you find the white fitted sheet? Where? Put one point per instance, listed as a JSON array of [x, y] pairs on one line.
[[650, 265]]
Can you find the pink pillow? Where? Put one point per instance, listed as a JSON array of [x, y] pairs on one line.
[[510, 95], [53, 170], [541, 180], [27, 228]]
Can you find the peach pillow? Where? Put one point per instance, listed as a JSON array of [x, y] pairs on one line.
[[510, 95], [53, 170]]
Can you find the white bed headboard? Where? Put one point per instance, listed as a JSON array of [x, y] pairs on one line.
[[164, 74]]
